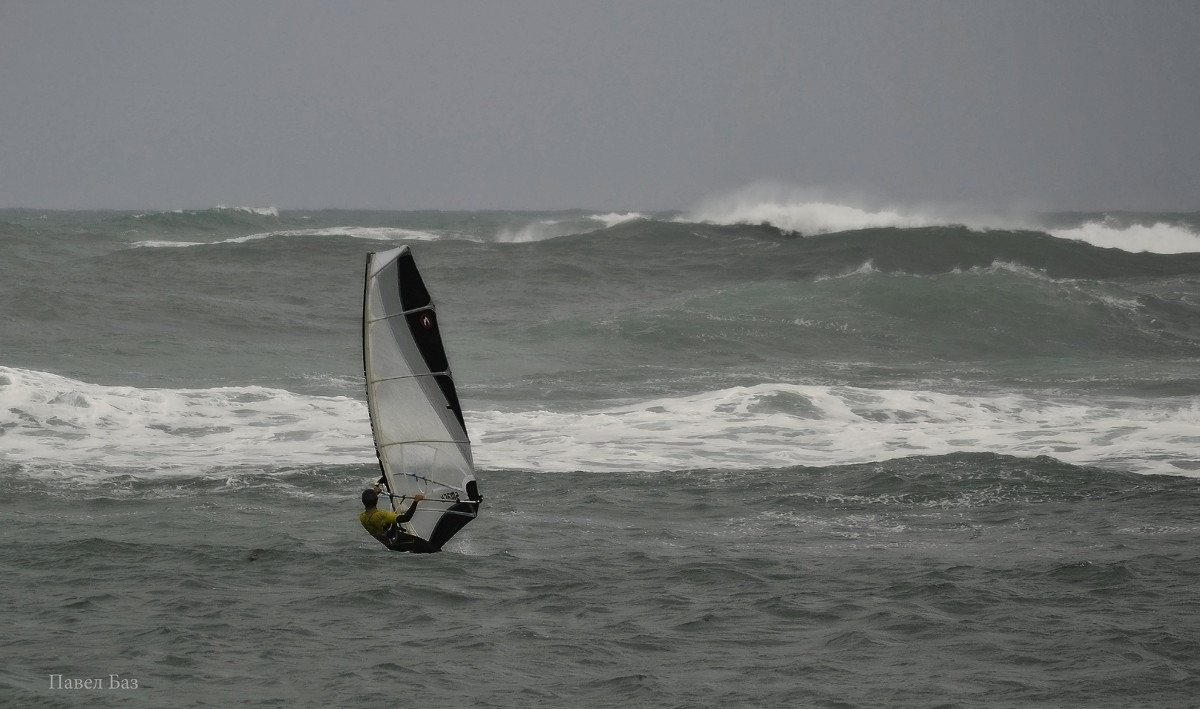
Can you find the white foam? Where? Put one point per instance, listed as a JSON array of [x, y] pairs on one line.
[[55, 421], [866, 269], [805, 218], [537, 231], [803, 211], [612, 218], [260, 211], [544, 229], [810, 212], [999, 266], [78, 429], [156, 244], [775, 425], [355, 232], [1159, 238]]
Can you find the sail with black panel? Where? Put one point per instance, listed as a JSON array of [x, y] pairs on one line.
[[416, 418]]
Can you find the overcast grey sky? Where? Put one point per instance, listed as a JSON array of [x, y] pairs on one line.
[[641, 105]]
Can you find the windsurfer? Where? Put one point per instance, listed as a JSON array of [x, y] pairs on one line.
[[385, 525]]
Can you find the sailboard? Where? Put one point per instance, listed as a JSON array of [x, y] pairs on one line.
[[420, 436]]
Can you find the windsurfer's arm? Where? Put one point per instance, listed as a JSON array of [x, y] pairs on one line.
[[412, 509]]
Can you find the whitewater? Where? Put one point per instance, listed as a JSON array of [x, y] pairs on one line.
[[74, 426]]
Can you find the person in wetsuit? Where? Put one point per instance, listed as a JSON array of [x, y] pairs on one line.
[[384, 525]]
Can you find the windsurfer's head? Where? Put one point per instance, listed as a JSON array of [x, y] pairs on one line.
[[369, 498]]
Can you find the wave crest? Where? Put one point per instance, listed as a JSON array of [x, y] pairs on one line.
[[354, 232], [81, 427], [807, 212], [801, 211], [1159, 237], [78, 429]]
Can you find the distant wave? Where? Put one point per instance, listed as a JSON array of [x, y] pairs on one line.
[[355, 232], [536, 231], [1159, 237], [804, 217], [795, 211], [261, 211], [612, 218], [556, 227], [543, 230]]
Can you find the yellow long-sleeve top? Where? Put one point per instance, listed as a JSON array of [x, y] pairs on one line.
[[376, 521]]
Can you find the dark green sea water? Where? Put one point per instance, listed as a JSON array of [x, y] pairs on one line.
[[724, 464]]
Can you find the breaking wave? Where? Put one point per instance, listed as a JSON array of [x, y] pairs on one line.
[[805, 213], [76, 428]]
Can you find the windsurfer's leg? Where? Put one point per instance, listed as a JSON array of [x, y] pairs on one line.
[[403, 539], [396, 537]]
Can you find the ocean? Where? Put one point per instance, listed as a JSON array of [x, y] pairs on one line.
[[752, 455]]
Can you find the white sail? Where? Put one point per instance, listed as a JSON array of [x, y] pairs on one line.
[[418, 424]]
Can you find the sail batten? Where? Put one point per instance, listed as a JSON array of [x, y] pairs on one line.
[[427, 440], [414, 376], [420, 434], [402, 314]]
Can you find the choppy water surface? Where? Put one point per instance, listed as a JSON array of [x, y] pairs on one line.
[[725, 463]]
